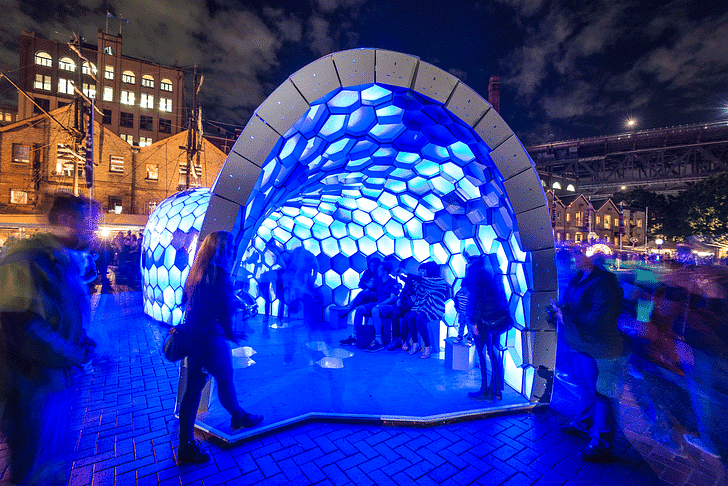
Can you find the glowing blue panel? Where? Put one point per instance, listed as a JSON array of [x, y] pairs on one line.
[[394, 229], [386, 133], [427, 168], [375, 95], [407, 159], [438, 253], [344, 102], [441, 185], [451, 172], [395, 185], [350, 278], [367, 245], [374, 230], [338, 229], [423, 213], [418, 185], [339, 149], [403, 248], [461, 152], [432, 202], [361, 217], [361, 121], [356, 231], [401, 214], [390, 114], [332, 279], [348, 246], [381, 215], [330, 247], [320, 231], [435, 152], [333, 128], [458, 264], [421, 250]]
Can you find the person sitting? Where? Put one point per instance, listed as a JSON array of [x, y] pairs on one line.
[[386, 292], [367, 282], [402, 306], [429, 305]]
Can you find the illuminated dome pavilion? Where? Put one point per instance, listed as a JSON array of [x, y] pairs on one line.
[[369, 151]]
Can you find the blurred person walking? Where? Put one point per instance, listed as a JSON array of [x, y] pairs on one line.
[[588, 311], [209, 300], [44, 311]]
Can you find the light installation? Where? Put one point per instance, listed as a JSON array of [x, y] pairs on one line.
[[375, 152], [169, 243]]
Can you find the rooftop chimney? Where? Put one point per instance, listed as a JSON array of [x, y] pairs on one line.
[[494, 92]]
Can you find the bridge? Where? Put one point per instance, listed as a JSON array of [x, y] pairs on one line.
[[664, 160]]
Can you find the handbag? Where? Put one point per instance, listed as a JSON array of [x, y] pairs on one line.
[[176, 346]]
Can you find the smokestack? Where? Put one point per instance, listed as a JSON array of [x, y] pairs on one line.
[[494, 92]]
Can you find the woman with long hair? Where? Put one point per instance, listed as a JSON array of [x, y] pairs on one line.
[[209, 300], [431, 293]]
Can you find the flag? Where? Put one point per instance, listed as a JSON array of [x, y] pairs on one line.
[[109, 15], [88, 167], [123, 19]]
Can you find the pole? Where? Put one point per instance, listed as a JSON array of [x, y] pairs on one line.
[[77, 116], [192, 129], [647, 225]]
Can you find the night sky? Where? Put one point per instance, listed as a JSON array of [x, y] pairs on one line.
[[568, 69]]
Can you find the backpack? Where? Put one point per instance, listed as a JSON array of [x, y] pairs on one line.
[[364, 336]]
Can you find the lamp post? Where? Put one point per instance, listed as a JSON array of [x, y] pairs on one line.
[[659, 242]]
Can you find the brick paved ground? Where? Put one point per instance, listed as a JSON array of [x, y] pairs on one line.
[[124, 433]]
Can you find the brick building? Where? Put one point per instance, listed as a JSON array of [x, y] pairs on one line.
[[141, 101], [37, 155], [574, 217]]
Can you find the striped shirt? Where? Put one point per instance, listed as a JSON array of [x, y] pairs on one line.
[[432, 293]]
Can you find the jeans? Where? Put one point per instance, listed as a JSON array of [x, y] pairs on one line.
[[215, 357], [487, 341], [598, 382], [400, 329], [417, 322]]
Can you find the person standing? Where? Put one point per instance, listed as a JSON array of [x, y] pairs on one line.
[[209, 298], [589, 311], [489, 318], [44, 311]]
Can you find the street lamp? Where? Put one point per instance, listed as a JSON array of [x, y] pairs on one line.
[[659, 242], [631, 123]]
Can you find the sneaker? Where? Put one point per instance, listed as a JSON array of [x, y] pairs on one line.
[[481, 396], [699, 444], [396, 343], [592, 453], [191, 452], [571, 429], [245, 420], [413, 348], [375, 346], [350, 341]]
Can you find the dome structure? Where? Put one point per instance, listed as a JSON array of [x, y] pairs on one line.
[[169, 243], [370, 151]]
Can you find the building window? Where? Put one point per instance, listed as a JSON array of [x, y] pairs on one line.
[[567, 236], [65, 86], [558, 236], [116, 164], [147, 81], [152, 206], [109, 50], [107, 117], [8, 117], [115, 204], [165, 85], [109, 72], [86, 70], [607, 221], [146, 123], [65, 159], [66, 64], [127, 138], [21, 153], [639, 223], [41, 104], [18, 197], [578, 218], [147, 101], [145, 141], [126, 120], [89, 90], [578, 237], [165, 126], [127, 98], [42, 82], [108, 93], [556, 185], [128, 77], [568, 217], [152, 172], [165, 104], [43, 59], [599, 218]]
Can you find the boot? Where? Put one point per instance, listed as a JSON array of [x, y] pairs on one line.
[[245, 419], [191, 452]]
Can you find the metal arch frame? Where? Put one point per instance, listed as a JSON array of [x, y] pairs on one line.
[[236, 186]]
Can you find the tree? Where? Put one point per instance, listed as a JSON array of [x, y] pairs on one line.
[[704, 207]]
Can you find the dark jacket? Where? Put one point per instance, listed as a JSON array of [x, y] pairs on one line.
[[487, 298], [211, 306], [590, 309], [44, 307]]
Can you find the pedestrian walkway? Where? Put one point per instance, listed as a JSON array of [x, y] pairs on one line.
[[124, 432]]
